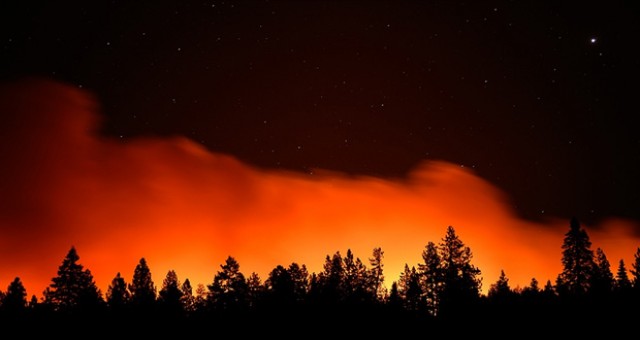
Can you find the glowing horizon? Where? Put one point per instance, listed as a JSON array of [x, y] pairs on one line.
[[185, 208]]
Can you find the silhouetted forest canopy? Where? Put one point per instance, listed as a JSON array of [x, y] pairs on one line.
[[445, 287]]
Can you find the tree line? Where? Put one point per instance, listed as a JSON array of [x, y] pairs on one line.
[[446, 285]]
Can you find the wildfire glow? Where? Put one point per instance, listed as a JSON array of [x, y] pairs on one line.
[[185, 208]]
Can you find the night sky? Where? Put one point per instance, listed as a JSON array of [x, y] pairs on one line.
[[190, 131], [536, 97]]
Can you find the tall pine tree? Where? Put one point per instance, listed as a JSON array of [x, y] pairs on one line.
[[118, 295], [14, 301], [188, 299], [432, 277], [577, 262], [255, 290], [376, 274], [623, 284], [532, 291], [500, 290], [355, 280], [635, 271], [280, 288], [74, 288], [300, 277], [462, 281], [410, 290], [602, 280], [142, 288], [330, 281], [170, 295], [229, 290]]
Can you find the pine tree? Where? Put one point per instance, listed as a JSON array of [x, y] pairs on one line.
[[229, 288], [33, 303], [602, 280], [14, 301], [255, 290], [635, 270], [532, 290], [501, 289], [354, 284], [623, 284], [394, 300], [201, 296], [74, 288], [362, 293], [350, 282], [577, 261], [280, 287], [410, 290], [432, 277], [376, 274], [188, 299], [549, 291], [300, 277], [331, 279], [170, 295], [314, 293], [118, 294], [142, 287], [462, 281]]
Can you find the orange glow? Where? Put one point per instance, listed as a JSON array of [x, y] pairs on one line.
[[185, 208]]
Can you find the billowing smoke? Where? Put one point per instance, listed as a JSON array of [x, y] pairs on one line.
[[185, 208]]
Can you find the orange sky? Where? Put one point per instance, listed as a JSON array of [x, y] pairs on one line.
[[185, 208]]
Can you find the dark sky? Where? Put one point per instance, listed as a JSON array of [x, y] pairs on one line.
[[538, 97]]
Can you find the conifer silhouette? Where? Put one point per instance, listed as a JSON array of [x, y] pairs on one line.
[[74, 288]]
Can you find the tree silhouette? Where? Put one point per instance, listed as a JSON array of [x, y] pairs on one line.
[[532, 291], [432, 274], [142, 288], [502, 301], [394, 300], [74, 288], [623, 284], [376, 273], [462, 281], [14, 301], [118, 295], [255, 290], [201, 296], [577, 261], [602, 280], [170, 295], [331, 279], [444, 286], [280, 288], [314, 294], [33, 302], [532, 288], [229, 288], [410, 290], [549, 290], [501, 289], [188, 300], [635, 270], [351, 273], [300, 278], [356, 278]]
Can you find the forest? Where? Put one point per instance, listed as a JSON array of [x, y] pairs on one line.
[[349, 294]]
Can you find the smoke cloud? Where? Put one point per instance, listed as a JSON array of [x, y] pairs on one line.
[[186, 208]]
